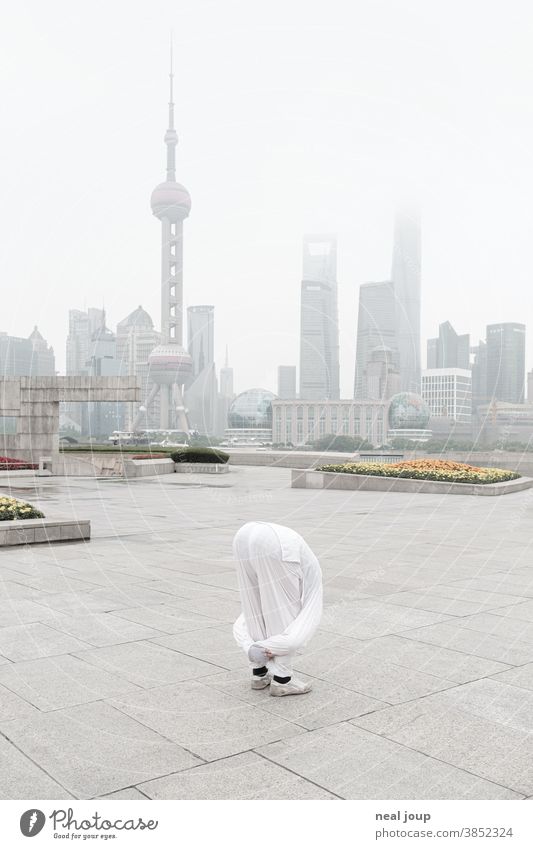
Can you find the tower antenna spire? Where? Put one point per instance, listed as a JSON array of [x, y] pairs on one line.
[[171, 137]]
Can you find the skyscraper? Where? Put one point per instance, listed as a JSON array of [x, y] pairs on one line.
[[170, 363], [319, 328], [201, 337], [136, 339], [506, 361], [225, 396], [82, 325], [376, 329], [201, 391], [449, 349], [479, 375], [406, 278], [103, 417], [31, 357], [286, 381]]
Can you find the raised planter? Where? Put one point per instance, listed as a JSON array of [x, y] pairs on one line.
[[202, 468], [146, 468], [30, 531], [311, 479]]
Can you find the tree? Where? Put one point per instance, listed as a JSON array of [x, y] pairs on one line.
[[340, 442]]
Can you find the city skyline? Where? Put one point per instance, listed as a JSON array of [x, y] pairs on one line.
[[476, 209]]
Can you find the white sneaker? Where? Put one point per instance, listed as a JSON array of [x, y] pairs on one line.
[[261, 682], [291, 688]]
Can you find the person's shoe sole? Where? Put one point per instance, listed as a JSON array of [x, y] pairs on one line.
[[261, 683], [283, 690]]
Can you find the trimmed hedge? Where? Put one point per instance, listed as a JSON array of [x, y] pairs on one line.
[[12, 508], [199, 454], [432, 470]]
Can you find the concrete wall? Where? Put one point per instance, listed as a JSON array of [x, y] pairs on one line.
[[111, 463], [147, 468], [34, 401]]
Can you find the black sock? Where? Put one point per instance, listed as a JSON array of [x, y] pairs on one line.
[[279, 680], [261, 671]]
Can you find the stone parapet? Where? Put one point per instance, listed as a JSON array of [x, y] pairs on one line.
[[311, 479], [31, 531]]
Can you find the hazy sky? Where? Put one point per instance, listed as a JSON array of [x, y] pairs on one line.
[[294, 116]]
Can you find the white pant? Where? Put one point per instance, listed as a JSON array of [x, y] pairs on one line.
[[271, 601]]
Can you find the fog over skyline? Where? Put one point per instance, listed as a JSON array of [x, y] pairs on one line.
[[293, 118]]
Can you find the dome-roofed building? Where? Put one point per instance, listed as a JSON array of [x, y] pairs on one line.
[[250, 416], [137, 318], [409, 417]]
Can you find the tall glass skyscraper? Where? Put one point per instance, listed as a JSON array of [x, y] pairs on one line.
[[406, 278], [376, 328], [449, 349], [506, 362], [201, 390], [319, 327]]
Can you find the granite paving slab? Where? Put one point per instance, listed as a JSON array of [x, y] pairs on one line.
[[20, 778], [214, 645], [166, 618], [367, 619], [11, 706], [520, 676], [58, 682], [480, 746], [362, 765], [24, 642], [147, 664], [21, 611], [129, 793], [459, 638], [454, 666], [523, 611], [244, 776], [100, 629], [205, 721], [433, 601], [379, 679], [95, 749], [215, 606], [326, 704], [508, 627]]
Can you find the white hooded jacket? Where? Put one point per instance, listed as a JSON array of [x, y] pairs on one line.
[[280, 584]]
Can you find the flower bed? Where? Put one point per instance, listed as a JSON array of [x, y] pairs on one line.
[[432, 470], [8, 464], [11, 508]]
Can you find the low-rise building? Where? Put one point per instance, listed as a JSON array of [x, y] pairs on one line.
[[448, 393], [299, 422]]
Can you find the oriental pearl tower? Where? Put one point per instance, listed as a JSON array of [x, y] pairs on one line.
[[170, 365]]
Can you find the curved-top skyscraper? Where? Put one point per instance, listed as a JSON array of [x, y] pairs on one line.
[[170, 364]]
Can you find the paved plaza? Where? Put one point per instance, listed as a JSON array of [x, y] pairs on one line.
[[119, 676]]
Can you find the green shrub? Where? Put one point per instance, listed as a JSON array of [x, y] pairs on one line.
[[340, 442], [199, 454]]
